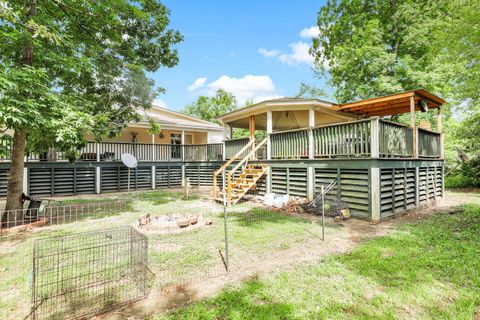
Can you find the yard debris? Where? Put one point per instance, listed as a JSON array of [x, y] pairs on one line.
[[24, 227], [144, 220]]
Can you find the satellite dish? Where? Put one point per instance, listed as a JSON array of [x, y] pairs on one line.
[[129, 160], [423, 105]]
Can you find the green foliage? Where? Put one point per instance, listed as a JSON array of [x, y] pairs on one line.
[[208, 109], [87, 66], [310, 91], [467, 176], [374, 48]]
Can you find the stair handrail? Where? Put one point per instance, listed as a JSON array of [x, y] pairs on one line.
[[231, 172], [226, 164]]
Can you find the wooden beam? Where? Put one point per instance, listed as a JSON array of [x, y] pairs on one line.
[[412, 124], [251, 127], [375, 100]]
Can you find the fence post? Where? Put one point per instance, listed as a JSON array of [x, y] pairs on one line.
[[375, 137], [375, 194]]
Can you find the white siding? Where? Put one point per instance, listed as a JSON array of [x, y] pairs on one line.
[[215, 136]]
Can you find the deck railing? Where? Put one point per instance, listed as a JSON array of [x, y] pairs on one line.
[[234, 145], [292, 144], [203, 152], [429, 143], [343, 140], [112, 151], [396, 140]]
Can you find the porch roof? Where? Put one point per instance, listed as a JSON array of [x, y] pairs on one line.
[[380, 106], [290, 113], [392, 104]]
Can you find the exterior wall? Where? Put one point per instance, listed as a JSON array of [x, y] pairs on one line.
[[143, 136], [215, 137]]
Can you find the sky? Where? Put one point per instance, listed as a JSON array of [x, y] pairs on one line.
[[255, 49]]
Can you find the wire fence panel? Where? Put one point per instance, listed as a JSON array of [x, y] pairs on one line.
[[88, 273], [14, 222]]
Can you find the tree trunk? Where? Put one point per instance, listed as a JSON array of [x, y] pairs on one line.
[[15, 182]]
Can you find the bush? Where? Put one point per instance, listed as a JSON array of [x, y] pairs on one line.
[[468, 176]]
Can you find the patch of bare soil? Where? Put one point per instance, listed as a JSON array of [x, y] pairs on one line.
[[340, 238]]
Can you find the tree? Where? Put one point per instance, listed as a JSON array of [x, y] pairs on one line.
[[209, 108], [310, 91], [69, 67], [374, 48]]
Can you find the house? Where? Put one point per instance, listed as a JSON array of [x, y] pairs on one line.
[[380, 168]]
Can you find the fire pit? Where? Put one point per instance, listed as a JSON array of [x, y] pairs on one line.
[[171, 223]]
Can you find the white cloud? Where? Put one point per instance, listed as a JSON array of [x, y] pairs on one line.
[[298, 55], [200, 82], [310, 32], [160, 103], [269, 53], [299, 51], [248, 87]]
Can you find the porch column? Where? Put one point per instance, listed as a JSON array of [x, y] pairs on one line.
[[375, 137], [269, 131], [251, 127], [153, 147], [311, 124], [439, 129], [412, 124], [182, 148]]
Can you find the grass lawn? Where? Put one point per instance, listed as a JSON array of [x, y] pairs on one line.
[[429, 269], [173, 258]]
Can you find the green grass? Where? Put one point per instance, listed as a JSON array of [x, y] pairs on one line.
[[173, 258], [154, 197], [426, 270]]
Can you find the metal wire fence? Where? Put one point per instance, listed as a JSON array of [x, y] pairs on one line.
[[14, 222], [185, 247], [84, 274]]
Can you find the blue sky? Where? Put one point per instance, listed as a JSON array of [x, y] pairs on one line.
[[254, 49]]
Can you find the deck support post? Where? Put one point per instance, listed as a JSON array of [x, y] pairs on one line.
[[98, 180], [412, 124], [268, 181], [310, 183], [25, 180], [154, 172], [311, 124], [269, 131], [375, 194], [417, 187], [375, 137]]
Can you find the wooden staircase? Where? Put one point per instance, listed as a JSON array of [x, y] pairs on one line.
[[237, 187], [246, 180]]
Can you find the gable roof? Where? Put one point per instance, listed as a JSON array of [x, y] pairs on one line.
[[169, 118]]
